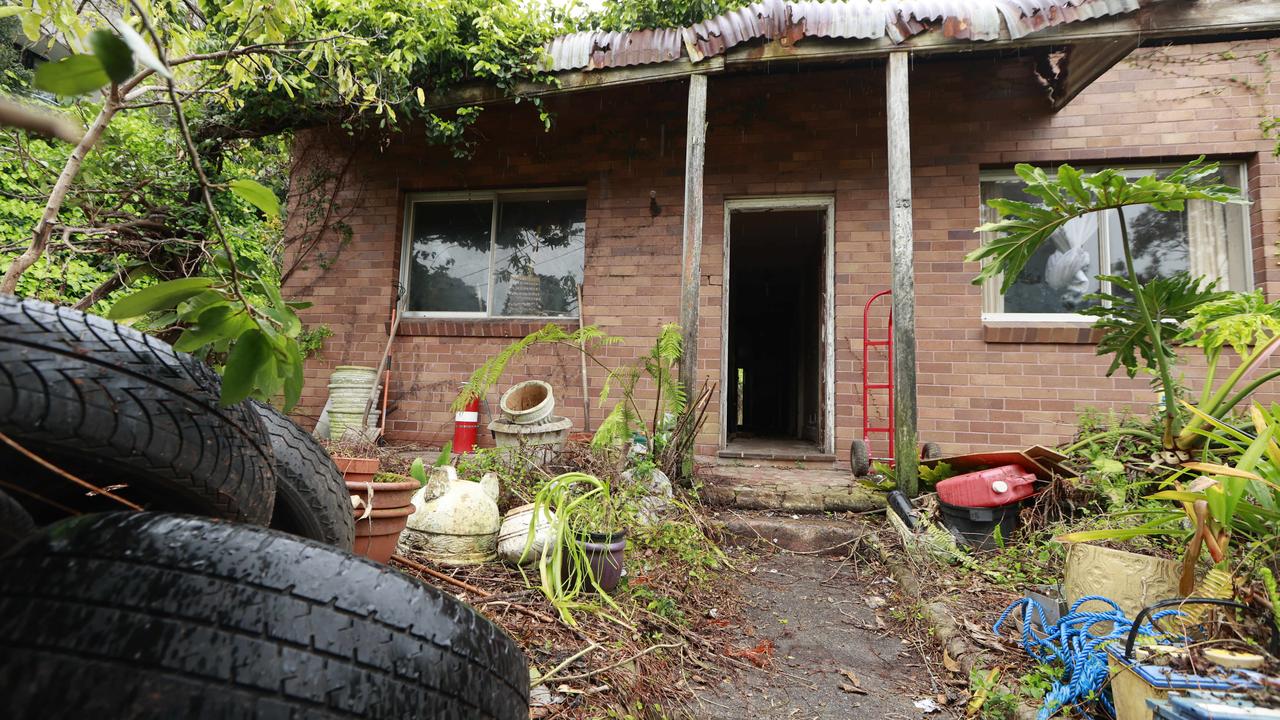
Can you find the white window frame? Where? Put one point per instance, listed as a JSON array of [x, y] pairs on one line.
[[496, 198], [992, 298]]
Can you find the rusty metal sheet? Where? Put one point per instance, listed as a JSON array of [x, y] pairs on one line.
[[788, 22]]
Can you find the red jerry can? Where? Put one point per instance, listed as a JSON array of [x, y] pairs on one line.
[[996, 487]]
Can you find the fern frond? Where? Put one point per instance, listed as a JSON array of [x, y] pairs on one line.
[[616, 426], [488, 374]]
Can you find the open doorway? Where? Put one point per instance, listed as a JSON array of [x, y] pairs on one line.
[[775, 348]]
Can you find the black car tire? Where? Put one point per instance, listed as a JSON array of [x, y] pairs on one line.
[[312, 500], [16, 523], [115, 407], [147, 615]]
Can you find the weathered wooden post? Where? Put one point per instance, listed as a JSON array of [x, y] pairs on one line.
[[691, 268], [906, 454]]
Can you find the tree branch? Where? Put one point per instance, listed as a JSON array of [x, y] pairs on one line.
[[44, 228]]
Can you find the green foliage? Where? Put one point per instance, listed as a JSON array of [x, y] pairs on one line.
[[1169, 301], [646, 14], [257, 343], [659, 365], [1241, 320], [256, 194], [624, 418], [1221, 503], [991, 700], [72, 75]]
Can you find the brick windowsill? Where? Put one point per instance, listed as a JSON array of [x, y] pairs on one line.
[[1048, 333], [480, 328]]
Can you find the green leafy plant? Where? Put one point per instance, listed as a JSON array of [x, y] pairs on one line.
[[1220, 503], [1139, 324], [580, 502], [255, 344]]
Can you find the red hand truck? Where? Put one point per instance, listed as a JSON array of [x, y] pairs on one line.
[[860, 452]]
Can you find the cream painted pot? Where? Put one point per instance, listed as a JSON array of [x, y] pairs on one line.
[[514, 535], [454, 522]]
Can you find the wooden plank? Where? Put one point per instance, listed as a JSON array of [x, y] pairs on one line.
[[906, 454], [691, 266]]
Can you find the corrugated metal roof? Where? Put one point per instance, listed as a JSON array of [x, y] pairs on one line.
[[851, 19]]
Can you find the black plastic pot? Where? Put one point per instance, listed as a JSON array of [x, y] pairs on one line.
[[976, 526], [604, 557]]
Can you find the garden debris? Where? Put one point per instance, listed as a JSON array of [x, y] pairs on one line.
[[854, 685], [674, 615], [760, 655]]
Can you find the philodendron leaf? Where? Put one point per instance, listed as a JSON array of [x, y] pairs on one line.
[[256, 194], [247, 356], [160, 296], [73, 75], [114, 54]]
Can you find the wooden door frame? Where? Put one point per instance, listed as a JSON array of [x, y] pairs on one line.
[[826, 333]]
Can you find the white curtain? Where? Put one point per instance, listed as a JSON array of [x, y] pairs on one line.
[[1207, 234], [1065, 268]]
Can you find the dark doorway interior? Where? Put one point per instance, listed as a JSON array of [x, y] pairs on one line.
[[774, 347]]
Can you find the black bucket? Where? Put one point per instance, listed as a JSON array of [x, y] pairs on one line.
[[976, 526]]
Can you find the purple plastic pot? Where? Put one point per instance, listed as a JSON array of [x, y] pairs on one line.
[[604, 557]]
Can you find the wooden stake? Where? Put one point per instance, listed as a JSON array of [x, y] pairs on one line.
[[905, 437]]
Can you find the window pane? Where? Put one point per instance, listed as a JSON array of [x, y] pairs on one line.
[[1061, 272], [539, 258], [1159, 240], [449, 257]]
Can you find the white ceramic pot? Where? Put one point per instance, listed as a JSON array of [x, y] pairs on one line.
[[514, 535], [528, 402], [454, 522]]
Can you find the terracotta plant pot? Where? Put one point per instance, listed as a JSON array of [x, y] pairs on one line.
[[377, 535], [357, 469], [385, 494]]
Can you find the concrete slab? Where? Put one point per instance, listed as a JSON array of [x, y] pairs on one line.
[[796, 490]]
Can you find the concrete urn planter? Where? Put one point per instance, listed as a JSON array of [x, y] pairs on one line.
[[454, 522]]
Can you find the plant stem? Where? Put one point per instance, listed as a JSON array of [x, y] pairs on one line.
[[1219, 403], [1208, 378], [1136, 432], [1162, 362], [1234, 400]]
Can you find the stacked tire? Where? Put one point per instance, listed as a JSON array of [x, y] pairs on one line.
[[191, 609]]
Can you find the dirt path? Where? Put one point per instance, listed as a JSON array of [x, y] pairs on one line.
[[818, 615]]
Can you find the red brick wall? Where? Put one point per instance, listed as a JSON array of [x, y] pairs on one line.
[[783, 133]]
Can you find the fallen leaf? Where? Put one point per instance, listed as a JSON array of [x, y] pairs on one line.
[[851, 689], [949, 662], [852, 678], [874, 601]]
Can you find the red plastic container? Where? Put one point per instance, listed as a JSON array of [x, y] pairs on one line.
[[996, 487]]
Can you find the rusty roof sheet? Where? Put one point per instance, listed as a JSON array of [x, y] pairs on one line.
[[898, 20]]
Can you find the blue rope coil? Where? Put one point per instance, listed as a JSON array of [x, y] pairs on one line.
[[1072, 642]]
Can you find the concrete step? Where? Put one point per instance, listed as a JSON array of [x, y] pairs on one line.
[[794, 490]]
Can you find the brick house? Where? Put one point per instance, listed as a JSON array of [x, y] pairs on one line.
[[794, 231]]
